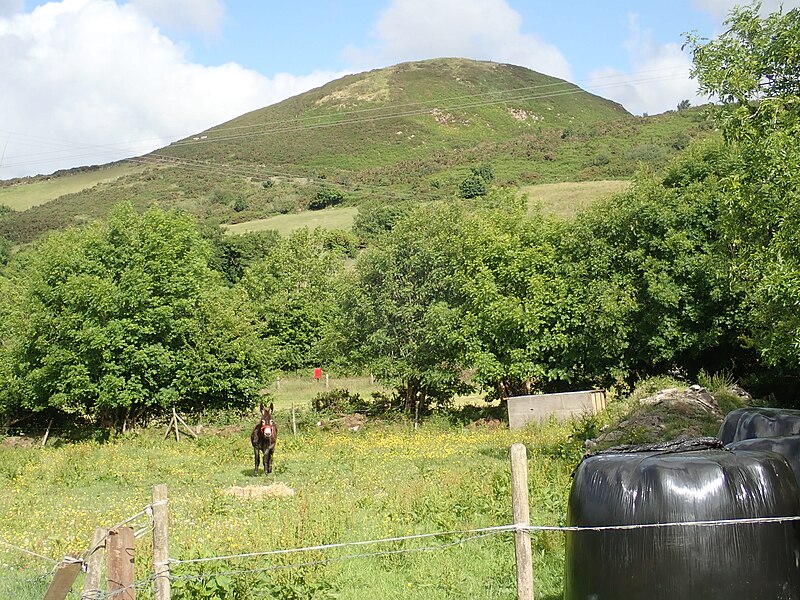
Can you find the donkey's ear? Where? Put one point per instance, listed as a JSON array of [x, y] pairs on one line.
[[270, 407], [261, 407]]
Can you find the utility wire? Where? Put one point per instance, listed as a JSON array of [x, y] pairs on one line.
[[352, 117]]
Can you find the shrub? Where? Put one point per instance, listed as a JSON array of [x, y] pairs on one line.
[[326, 196], [472, 187]]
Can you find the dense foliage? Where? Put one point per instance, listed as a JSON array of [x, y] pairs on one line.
[[754, 68], [121, 320], [696, 267]]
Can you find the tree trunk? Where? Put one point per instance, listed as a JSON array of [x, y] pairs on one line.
[[412, 390]]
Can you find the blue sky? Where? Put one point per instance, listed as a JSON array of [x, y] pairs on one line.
[[89, 81]]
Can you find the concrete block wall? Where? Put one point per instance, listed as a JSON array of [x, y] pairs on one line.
[[540, 407]]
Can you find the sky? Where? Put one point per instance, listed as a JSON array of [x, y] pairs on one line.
[[87, 82]]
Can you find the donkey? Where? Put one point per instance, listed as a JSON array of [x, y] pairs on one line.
[[263, 438]]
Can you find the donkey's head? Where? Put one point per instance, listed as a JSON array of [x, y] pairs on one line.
[[267, 422]]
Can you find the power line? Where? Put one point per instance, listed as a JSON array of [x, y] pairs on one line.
[[365, 115]]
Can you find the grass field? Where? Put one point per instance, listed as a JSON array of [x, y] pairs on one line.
[[565, 199], [34, 193], [561, 199], [300, 388], [329, 218], [386, 480]]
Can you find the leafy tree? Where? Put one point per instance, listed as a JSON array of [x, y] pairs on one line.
[[375, 218], [240, 203], [649, 287], [514, 298], [292, 291], [401, 313], [123, 320], [232, 254], [754, 69], [684, 104]]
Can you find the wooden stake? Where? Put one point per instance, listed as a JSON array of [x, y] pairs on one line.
[[172, 423], [189, 429], [521, 512], [94, 565], [47, 433], [294, 420], [66, 574], [173, 426], [120, 564], [161, 580]]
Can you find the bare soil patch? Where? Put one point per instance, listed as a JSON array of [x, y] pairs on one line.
[[255, 492]]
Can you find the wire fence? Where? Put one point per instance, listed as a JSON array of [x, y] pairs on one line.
[[461, 537]]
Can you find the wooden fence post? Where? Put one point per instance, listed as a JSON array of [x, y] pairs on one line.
[[162, 588], [521, 511], [65, 576], [94, 566], [120, 564]]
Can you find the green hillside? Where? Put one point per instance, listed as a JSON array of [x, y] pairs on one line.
[[412, 131]]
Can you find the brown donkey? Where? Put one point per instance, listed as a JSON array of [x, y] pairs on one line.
[[263, 438]]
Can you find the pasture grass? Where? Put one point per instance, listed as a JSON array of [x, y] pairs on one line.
[[385, 480], [33, 193], [566, 199], [561, 199], [329, 218]]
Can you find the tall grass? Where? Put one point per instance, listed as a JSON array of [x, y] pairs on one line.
[[386, 480]]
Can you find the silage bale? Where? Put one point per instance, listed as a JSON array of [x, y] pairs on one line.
[[787, 446], [748, 423], [720, 562]]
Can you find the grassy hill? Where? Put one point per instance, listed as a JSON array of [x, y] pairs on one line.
[[409, 131]]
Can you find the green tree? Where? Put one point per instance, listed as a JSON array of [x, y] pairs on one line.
[[375, 218], [292, 291], [123, 320], [515, 300], [472, 186], [326, 196], [754, 70], [232, 254], [649, 287], [401, 312]]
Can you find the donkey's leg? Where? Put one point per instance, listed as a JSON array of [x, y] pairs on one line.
[[258, 460], [268, 459]]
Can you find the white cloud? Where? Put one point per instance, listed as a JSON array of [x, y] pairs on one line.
[[657, 81], [204, 16], [10, 7], [478, 29], [90, 81]]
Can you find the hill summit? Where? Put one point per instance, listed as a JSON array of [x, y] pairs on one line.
[[412, 132]]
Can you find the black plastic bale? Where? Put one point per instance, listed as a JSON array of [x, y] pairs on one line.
[[748, 423], [787, 446], [683, 562]]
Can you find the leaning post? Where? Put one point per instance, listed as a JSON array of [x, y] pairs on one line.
[[94, 565], [161, 581], [521, 511]]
